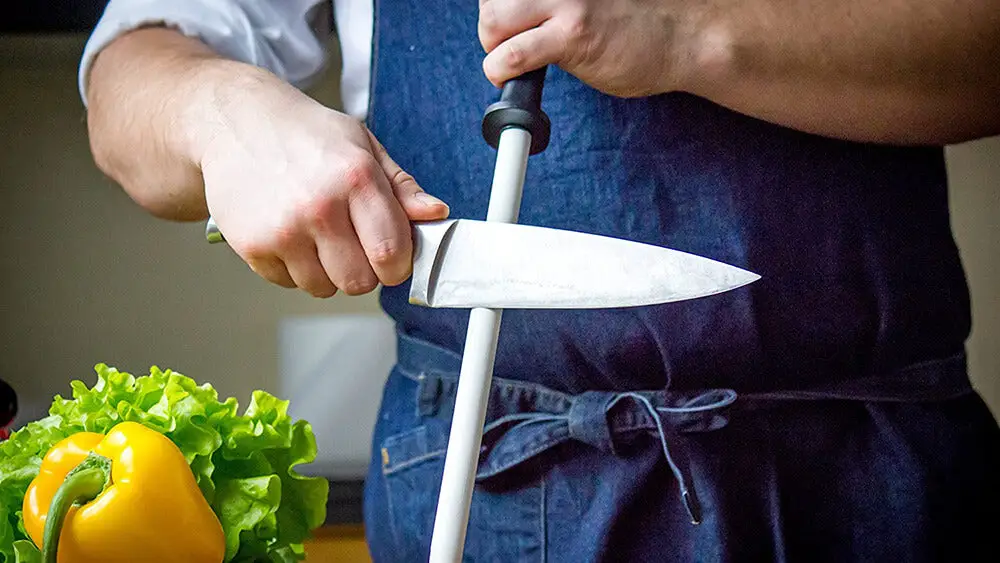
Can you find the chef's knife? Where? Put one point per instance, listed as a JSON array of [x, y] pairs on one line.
[[461, 263]]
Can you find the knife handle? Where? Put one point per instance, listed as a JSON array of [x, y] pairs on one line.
[[212, 232], [520, 106]]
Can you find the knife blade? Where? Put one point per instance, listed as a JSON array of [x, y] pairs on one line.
[[462, 263]]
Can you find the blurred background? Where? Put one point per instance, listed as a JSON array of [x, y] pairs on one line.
[[88, 277]]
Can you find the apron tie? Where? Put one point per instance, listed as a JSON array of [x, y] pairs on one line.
[[527, 419], [604, 420]]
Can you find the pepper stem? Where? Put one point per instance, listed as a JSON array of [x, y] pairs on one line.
[[81, 485]]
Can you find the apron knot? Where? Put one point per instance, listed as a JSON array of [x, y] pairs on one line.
[[526, 419], [604, 420]]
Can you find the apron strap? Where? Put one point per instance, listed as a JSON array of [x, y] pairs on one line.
[[526, 419]]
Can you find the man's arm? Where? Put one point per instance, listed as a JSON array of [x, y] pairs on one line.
[[156, 76], [152, 94], [305, 195], [893, 71]]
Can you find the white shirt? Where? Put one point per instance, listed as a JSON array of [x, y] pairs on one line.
[[279, 35]]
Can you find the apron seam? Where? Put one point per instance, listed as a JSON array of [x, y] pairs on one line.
[[543, 524], [391, 470]]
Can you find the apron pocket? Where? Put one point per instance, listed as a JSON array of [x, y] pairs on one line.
[[504, 524]]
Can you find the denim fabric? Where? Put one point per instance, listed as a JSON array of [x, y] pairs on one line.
[[860, 274], [819, 414], [903, 471]]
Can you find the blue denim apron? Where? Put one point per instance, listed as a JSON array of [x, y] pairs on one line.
[[820, 414]]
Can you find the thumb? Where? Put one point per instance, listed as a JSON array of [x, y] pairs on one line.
[[418, 204]]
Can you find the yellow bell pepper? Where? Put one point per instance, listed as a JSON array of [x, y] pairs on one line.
[[137, 501]]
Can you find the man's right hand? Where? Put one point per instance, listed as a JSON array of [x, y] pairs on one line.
[[305, 195]]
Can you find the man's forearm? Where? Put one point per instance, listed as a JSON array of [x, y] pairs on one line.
[[146, 91], [893, 71]]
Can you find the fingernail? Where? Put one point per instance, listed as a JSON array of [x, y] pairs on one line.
[[429, 200], [488, 69]]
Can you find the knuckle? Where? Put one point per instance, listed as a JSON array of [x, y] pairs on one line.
[[321, 213], [259, 251], [575, 31], [283, 238], [265, 243], [488, 18], [385, 253], [403, 179], [360, 173], [576, 27], [514, 55], [360, 285]]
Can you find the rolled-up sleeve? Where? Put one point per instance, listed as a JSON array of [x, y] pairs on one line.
[[279, 35]]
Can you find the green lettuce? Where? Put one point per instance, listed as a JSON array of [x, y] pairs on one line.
[[243, 463]]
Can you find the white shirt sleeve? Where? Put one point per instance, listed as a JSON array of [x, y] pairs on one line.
[[278, 35], [355, 21]]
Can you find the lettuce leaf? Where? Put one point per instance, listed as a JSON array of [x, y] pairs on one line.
[[26, 552], [244, 464]]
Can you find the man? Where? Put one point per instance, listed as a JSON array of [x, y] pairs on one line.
[[801, 141]]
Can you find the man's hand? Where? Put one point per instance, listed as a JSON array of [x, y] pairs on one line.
[[304, 194], [307, 196], [626, 48]]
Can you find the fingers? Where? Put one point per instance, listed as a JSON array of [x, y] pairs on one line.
[[320, 258], [338, 250], [307, 272], [524, 52], [500, 20], [418, 205], [345, 260], [271, 269], [289, 260], [338, 222], [379, 220]]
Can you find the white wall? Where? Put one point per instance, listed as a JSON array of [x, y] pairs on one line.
[[88, 277], [974, 172]]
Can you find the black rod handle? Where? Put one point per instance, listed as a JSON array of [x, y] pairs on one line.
[[520, 105]]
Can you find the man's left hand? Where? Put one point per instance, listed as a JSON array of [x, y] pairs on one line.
[[627, 48]]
